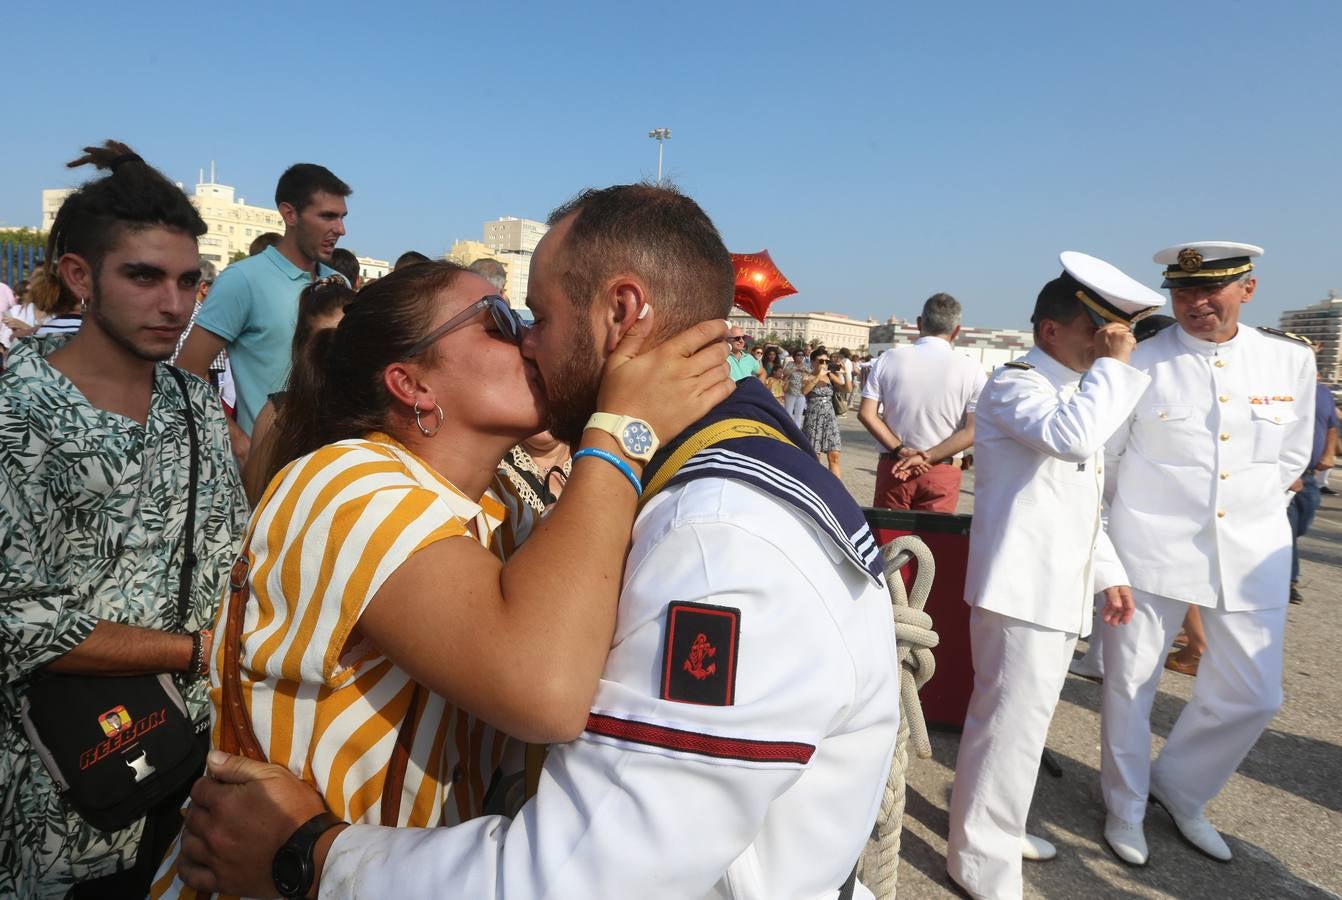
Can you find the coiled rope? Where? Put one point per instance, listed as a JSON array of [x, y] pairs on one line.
[[914, 640]]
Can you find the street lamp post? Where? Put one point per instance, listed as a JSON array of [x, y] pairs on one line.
[[659, 135]]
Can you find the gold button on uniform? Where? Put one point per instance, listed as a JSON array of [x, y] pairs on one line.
[[1220, 363], [1225, 435], [1223, 398], [1220, 514], [1225, 475]]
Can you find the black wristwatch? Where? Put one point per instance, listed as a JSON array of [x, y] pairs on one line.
[[292, 870]]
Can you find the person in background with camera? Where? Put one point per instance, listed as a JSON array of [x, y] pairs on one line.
[[95, 474], [820, 421]]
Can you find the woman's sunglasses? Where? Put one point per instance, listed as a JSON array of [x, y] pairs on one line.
[[509, 323]]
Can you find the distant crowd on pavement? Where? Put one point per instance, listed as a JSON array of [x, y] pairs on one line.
[[400, 558]]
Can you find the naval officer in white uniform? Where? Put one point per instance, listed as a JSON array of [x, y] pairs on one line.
[[1200, 478], [1042, 424]]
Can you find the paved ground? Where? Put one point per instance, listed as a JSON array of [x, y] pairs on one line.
[[1281, 813]]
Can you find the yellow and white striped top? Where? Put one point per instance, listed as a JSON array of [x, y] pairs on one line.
[[328, 532]]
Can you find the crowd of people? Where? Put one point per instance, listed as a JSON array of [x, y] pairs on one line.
[[407, 561], [815, 388], [384, 483]]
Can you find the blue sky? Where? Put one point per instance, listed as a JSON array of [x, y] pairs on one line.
[[881, 152]]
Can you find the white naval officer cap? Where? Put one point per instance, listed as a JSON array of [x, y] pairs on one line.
[[1205, 263], [1107, 294]]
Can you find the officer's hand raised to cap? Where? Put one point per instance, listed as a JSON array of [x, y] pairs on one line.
[[1115, 341]]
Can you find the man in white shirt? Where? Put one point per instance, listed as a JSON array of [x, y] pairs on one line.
[[1042, 424], [742, 731], [918, 402], [1199, 479]]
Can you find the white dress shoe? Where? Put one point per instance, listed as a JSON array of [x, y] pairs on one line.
[[1087, 667], [1036, 849], [1196, 830], [1126, 840]]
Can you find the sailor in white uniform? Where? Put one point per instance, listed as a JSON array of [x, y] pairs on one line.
[[1200, 478], [1042, 424]]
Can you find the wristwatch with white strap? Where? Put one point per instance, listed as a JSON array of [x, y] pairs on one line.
[[635, 437]]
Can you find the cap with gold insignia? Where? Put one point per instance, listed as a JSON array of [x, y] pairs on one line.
[[1206, 263], [1106, 294]]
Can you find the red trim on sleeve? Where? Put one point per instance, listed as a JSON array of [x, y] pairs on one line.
[[702, 744]]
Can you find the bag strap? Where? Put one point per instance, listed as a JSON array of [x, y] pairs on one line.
[[189, 558], [236, 734], [394, 783], [235, 727]]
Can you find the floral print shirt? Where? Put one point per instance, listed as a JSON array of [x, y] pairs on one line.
[[92, 510]]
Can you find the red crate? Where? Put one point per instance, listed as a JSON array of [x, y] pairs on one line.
[[945, 698]]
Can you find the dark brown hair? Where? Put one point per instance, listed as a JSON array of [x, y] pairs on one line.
[[1057, 302], [261, 242], [301, 181], [132, 196], [657, 233], [409, 258], [336, 389], [317, 301], [347, 264]]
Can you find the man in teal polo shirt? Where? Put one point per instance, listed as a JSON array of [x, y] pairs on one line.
[[253, 307], [743, 364]]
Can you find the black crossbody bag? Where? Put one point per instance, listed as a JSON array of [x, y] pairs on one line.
[[117, 746]]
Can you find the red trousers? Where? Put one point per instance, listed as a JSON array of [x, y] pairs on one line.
[[936, 490]]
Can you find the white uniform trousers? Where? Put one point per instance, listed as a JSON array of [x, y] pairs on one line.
[[1019, 670], [1236, 693]]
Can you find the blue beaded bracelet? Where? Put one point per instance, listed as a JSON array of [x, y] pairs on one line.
[[614, 461]]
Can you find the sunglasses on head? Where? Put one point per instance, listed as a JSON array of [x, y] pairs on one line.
[[506, 319]]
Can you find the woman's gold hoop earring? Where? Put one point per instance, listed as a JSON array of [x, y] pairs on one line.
[[429, 432]]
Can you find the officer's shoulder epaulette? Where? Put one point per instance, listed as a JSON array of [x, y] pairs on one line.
[[1019, 364], [1277, 332]]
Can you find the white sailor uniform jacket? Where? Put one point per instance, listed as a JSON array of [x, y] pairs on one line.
[[771, 796], [1201, 470], [1038, 445]]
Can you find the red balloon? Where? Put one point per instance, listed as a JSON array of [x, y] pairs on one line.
[[759, 283]]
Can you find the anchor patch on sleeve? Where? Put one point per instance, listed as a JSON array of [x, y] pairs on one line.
[[699, 658]]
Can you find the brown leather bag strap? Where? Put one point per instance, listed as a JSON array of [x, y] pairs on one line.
[[235, 733], [394, 783]]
